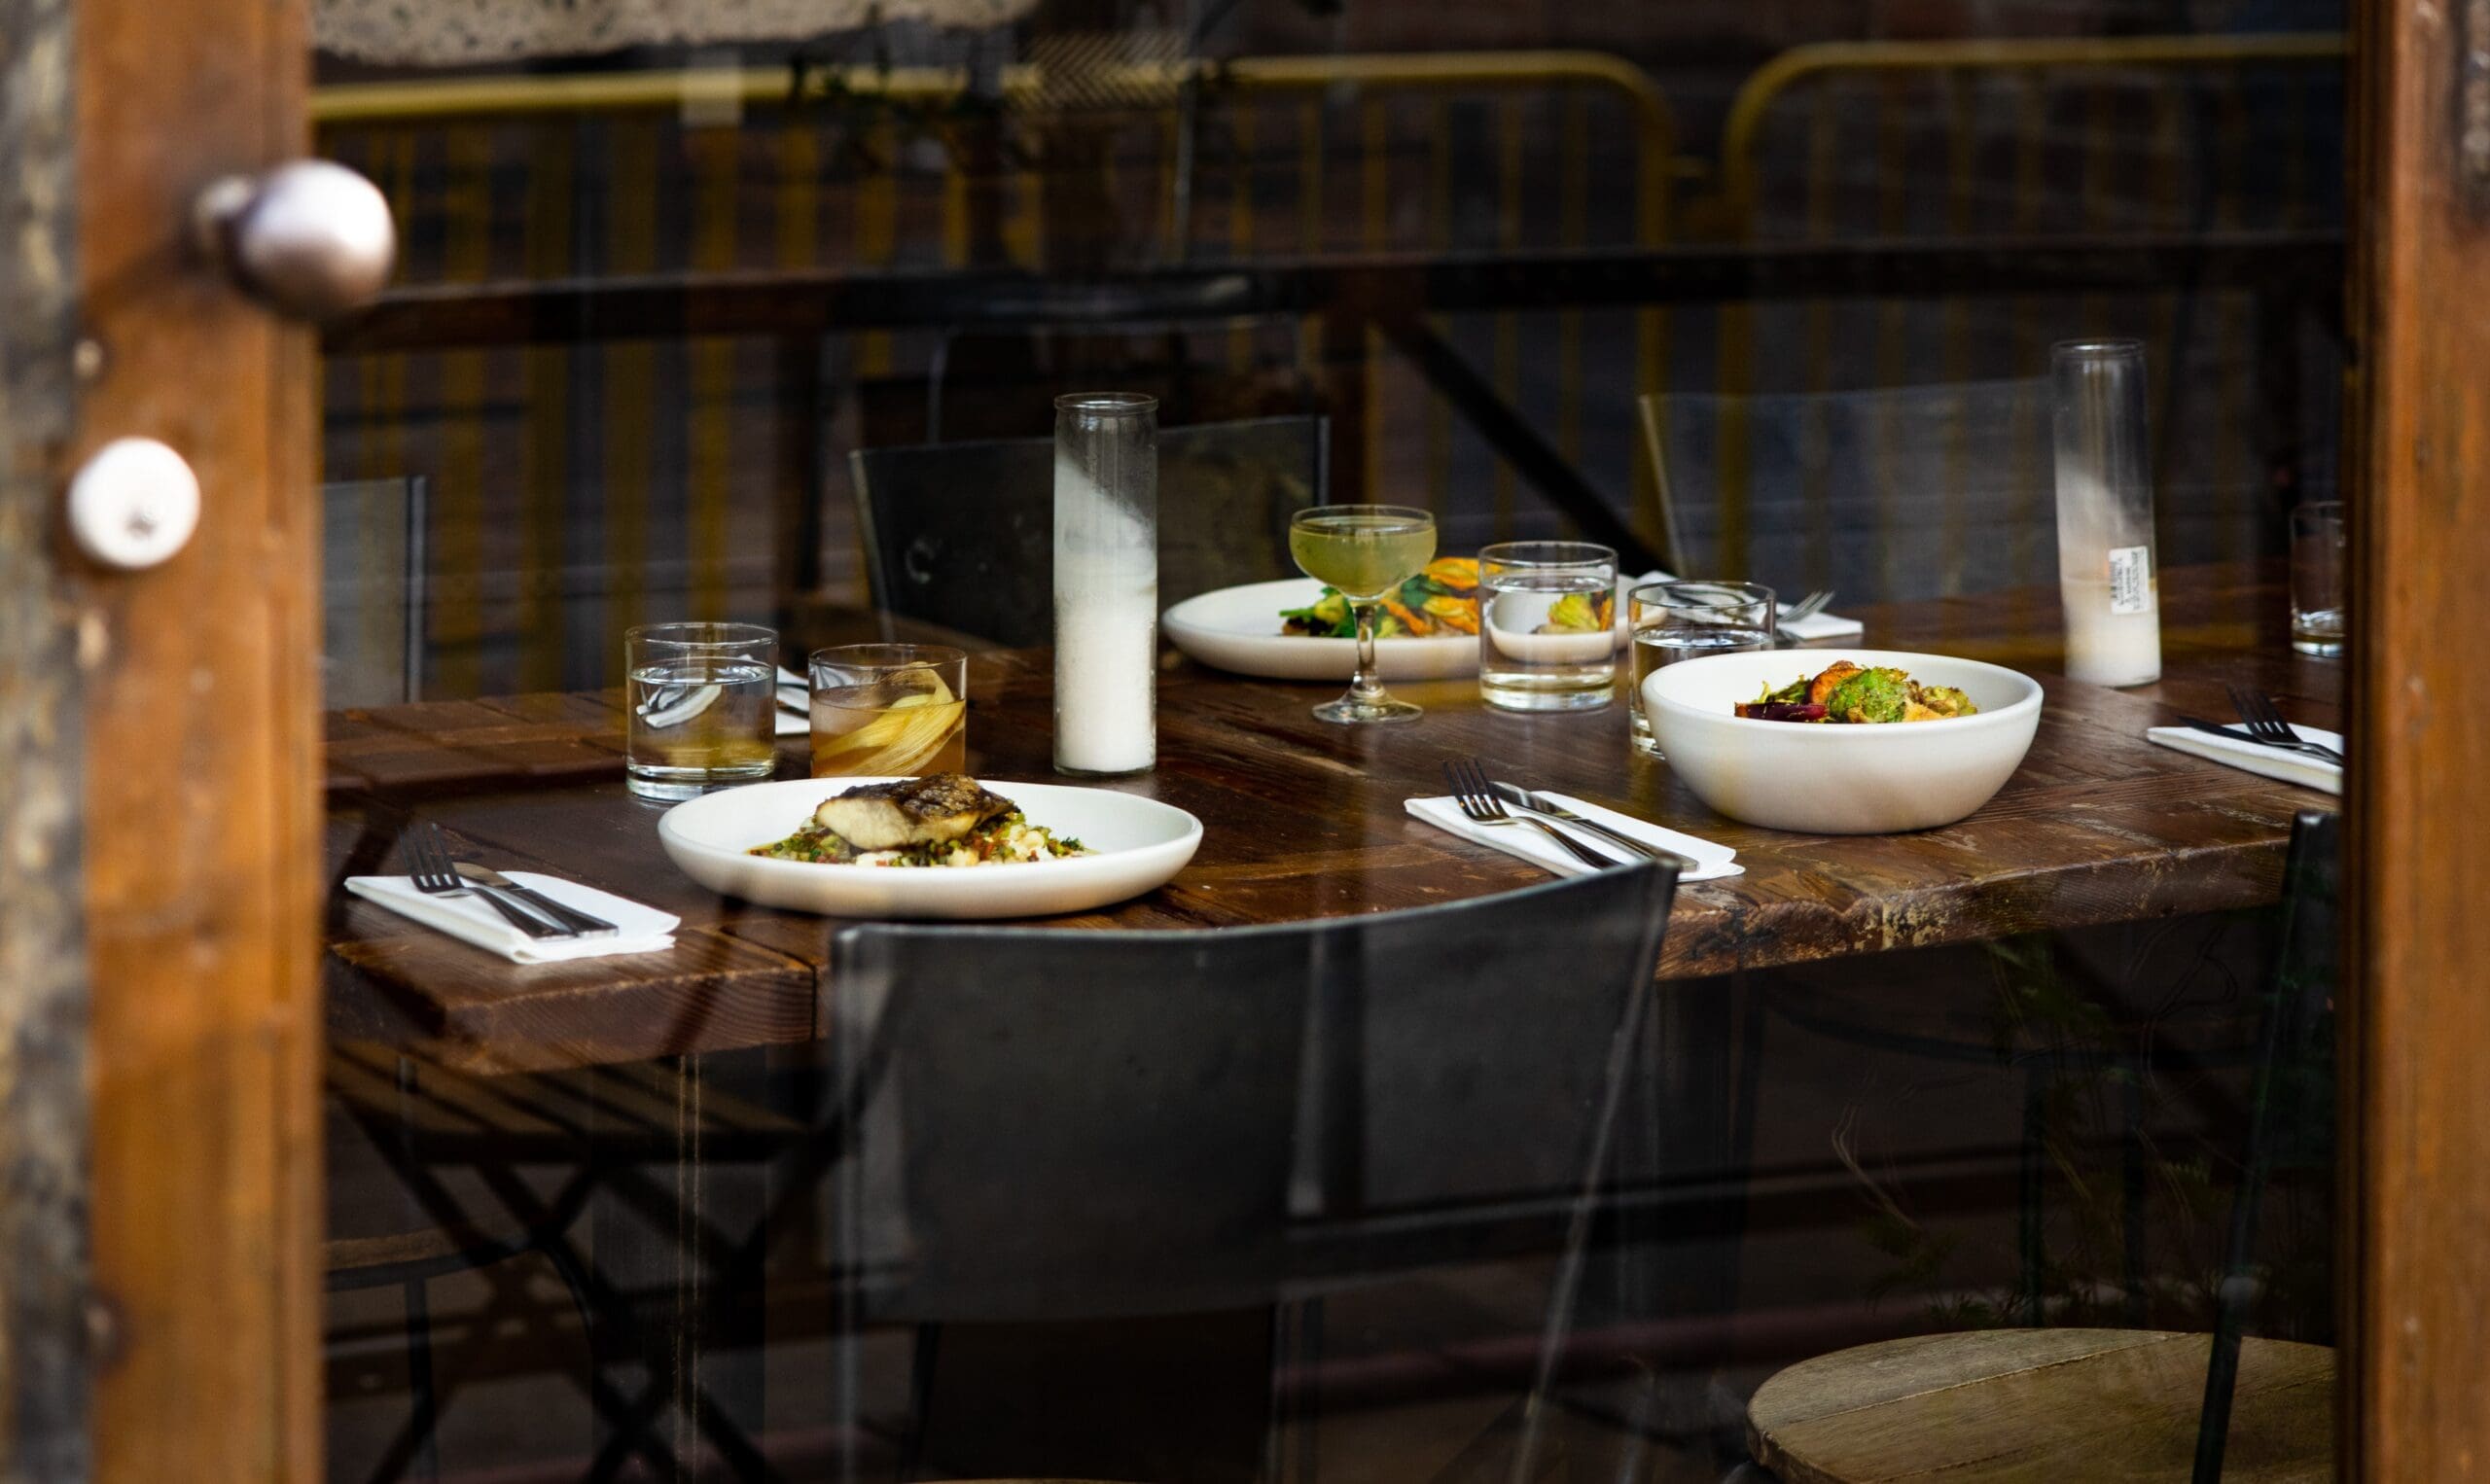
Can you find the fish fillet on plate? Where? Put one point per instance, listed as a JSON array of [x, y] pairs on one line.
[[1056, 848]]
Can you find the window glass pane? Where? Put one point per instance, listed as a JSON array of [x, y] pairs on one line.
[[2017, 1020]]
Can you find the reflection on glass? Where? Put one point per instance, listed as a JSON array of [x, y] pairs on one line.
[[912, 237]]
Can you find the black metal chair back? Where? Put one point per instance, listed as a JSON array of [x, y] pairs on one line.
[[1078, 1126], [1887, 494], [962, 534]]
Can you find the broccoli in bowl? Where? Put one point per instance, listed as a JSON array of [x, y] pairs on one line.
[[1853, 694]]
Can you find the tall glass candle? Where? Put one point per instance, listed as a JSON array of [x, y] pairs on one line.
[[2107, 575], [1106, 583]]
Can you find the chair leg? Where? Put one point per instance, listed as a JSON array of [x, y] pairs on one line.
[[1291, 1413], [920, 1395], [424, 1402], [2034, 1169], [2132, 1156]]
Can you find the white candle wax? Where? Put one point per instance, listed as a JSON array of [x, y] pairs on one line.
[[2108, 648], [1105, 631]]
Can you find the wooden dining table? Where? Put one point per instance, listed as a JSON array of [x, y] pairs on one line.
[[1306, 820]]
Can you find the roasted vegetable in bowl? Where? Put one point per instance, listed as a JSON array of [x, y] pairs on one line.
[[1851, 693], [1442, 599]]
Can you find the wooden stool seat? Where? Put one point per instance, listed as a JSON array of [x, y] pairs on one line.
[[2041, 1405]]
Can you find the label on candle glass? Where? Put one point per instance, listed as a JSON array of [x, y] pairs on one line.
[[2131, 580]]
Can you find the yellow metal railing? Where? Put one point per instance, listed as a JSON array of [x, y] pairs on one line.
[[709, 169], [1757, 97], [1823, 79]]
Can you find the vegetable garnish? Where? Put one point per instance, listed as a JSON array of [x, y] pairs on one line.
[[1856, 694]]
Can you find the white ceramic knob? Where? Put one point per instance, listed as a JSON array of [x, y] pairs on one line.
[[311, 240], [133, 504]]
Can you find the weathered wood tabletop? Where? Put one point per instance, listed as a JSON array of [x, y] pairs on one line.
[[1304, 819]]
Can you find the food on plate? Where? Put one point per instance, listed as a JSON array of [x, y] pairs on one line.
[[1848, 692], [944, 819], [1441, 599], [1579, 613]]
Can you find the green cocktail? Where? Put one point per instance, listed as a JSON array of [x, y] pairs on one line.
[[1364, 551]]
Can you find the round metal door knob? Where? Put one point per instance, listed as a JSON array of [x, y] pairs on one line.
[[133, 504], [311, 240]]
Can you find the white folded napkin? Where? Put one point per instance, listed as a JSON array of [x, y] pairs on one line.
[[1712, 861], [1823, 626], [1812, 626], [472, 919], [2276, 762]]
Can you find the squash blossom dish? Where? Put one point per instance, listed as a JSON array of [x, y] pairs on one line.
[[1442, 599], [1850, 694]]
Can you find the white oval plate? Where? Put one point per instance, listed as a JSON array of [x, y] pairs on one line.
[[1238, 629], [1140, 844]]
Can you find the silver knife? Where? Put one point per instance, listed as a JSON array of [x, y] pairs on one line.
[[1519, 797], [580, 923]]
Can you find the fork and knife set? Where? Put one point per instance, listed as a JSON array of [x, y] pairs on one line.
[[2261, 742], [525, 917]]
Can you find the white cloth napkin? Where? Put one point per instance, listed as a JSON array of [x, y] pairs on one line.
[[1812, 626], [472, 919], [2276, 762], [1712, 862], [1823, 626]]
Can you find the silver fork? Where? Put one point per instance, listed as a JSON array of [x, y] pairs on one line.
[[428, 866], [1481, 806], [1805, 608], [2264, 721]]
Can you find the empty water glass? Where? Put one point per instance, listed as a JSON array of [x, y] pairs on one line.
[[1546, 626], [2320, 561], [1678, 621], [704, 707]]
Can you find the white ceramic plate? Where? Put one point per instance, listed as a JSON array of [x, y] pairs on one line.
[[1839, 780], [1238, 629], [1140, 844]]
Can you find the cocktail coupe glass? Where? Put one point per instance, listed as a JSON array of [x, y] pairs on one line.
[[1364, 551]]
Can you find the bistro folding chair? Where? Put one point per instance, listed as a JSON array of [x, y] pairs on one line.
[[1040, 1127], [479, 1172], [2056, 1398], [1892, 493]]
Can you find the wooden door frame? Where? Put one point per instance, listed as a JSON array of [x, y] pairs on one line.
[[159, 831], [2416, 1111]]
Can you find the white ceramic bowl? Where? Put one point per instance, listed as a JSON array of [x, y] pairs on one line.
[[1839, 780], [1140, 844]]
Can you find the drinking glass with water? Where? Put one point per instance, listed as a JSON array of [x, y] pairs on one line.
[[2320, 563], [1678, 621], [1546, 626], [703, 707]]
